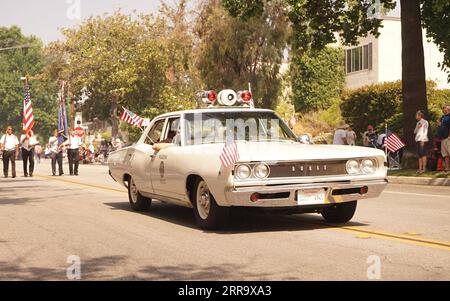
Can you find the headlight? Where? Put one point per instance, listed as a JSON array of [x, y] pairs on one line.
[[243, 171], [352, 167], [261, 170], [368, 166]]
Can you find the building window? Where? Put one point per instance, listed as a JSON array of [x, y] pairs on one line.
[[358, 58]]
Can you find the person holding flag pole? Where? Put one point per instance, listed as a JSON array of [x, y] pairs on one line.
[[57, 142], [27, 140]]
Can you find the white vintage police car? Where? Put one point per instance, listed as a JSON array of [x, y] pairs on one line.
[[178, 160]]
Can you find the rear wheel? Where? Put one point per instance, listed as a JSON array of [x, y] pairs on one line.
[[137, 201], [208, 214], [339, 213]]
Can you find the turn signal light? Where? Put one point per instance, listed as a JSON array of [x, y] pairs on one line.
[[254, 197], [364, 190]]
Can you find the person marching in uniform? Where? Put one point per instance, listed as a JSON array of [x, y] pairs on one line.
[[56, 152], [73, 153], [28, 142], [9, 144]]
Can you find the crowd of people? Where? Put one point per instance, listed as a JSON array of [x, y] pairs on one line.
[[76, 148], [435, 155]]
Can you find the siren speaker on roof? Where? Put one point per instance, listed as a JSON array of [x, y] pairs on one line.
[[227, 97]]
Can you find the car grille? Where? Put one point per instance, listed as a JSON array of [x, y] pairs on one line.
[[307, 169]]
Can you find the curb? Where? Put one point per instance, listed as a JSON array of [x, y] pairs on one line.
[[419, 181]]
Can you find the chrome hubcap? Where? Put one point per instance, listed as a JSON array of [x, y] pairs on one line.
[[133, 191], [203, 200]]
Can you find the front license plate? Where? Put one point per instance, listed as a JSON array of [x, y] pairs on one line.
[[311, 197]]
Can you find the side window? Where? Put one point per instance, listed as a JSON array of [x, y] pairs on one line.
[[154, 135], [173, 132]]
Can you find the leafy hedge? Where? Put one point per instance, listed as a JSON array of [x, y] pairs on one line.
[[381, 103], [317, 78]]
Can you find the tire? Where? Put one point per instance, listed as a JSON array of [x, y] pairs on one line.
[[137, 201], [208, 215], [340, 213]]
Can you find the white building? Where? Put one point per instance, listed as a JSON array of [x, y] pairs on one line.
[[377, 60]]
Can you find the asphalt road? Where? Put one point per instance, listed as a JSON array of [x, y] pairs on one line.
[[45, 219]]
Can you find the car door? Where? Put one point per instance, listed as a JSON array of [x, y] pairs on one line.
[[166, 178], [143, 155]]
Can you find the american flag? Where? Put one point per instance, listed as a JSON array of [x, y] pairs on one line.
[[131, 118], [28, 117], [229, 154], [393, 142]]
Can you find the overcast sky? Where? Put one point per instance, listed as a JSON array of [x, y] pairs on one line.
[[43, 17]]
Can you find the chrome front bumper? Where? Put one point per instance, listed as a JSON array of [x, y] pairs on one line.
[[336, 192]]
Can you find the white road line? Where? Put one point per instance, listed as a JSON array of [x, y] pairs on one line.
[[418, 194]]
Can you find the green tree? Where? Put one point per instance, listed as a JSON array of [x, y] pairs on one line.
[[317, 78], [436, 20], [23, 55], [315, 24], [232, 52], [139, 62], [117, 60]]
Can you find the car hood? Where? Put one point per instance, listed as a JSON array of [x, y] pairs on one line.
[[293, 151]]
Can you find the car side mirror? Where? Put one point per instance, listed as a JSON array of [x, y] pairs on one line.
[[304, 139]]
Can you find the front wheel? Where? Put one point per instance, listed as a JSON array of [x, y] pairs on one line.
[[339, 213], [208, 214], [137, 201]]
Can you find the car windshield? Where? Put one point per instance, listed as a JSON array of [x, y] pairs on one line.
[[219, 127]]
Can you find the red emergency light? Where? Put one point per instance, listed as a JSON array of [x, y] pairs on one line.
[[245, 96]]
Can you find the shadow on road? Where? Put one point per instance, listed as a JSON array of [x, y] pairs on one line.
[[108, 268], [242, 220]]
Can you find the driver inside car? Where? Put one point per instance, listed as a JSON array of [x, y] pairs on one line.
[[173, 138]]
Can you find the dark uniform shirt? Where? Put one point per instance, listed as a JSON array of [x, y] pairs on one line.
[[444, 129]]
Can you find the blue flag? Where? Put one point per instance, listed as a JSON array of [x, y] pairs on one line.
[[62, 120]]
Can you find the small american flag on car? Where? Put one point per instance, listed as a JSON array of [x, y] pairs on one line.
[[229, 154], [393, 142], [131, 118]]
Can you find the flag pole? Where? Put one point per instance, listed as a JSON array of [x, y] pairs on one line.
[[72, 107], [385, 142], [25, 84], [385, 137]]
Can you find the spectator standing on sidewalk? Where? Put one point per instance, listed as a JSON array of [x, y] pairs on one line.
[[340, 135], [117, 144], [421, 136], [444, 135], [351, 136], [9, 144], [28, 142], [370, 137]]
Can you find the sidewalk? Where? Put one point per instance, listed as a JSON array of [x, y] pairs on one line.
[[419, 180], [410, 176]]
